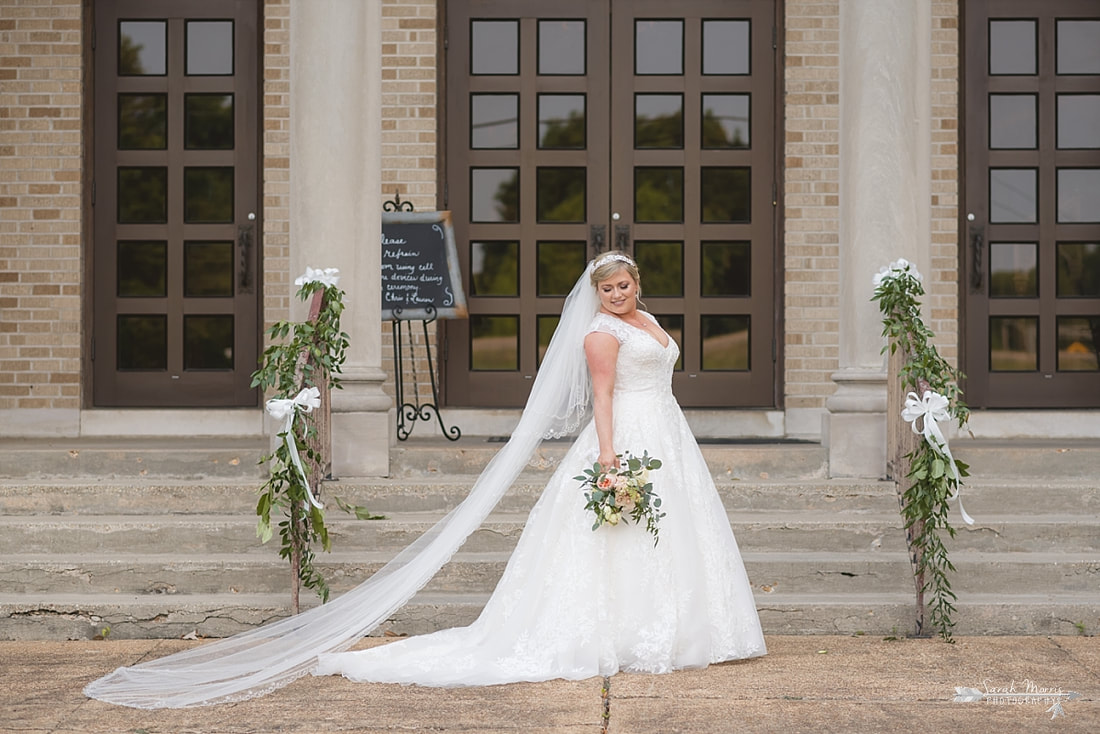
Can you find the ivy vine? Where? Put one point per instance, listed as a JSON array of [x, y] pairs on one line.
[[301, 355], [931, 482]]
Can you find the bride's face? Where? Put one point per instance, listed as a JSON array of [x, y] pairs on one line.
[[619, 293]]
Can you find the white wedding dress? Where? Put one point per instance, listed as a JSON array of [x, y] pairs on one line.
[[575, 603]]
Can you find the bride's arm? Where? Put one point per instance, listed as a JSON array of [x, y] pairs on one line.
[[602, 350]]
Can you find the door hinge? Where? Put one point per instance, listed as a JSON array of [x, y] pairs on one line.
[[446, 194], [93, 192], [775, 37], [93, 348], [445, 349], [773, 349], [775, 195], [93, 37], [446, 38]]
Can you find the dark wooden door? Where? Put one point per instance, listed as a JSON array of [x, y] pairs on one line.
[[1032, 203], [585, 126], [175, 203]]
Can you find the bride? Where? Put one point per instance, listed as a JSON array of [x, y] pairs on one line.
[[572, 603]]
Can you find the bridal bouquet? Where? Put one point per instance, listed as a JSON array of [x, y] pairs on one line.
[[613, 493]]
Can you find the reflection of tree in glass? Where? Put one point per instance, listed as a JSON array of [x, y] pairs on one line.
[[208, 195], [142, 121], [661, 264], [209, 122], [561, 194], [559, 265], [494, 269], [715, 133], [567, 133], [726, 269], [659, 194], [1079, 269], [129, 56], [142, 343], [507, 198], [142, 194], [208, 269], [725, 193], [208, 342], [660, 131], [142, 269], [1014, 282]]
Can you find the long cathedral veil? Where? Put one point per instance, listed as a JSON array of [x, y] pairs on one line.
[[261, 660]]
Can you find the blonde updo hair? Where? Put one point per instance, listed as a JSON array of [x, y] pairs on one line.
[[611, 262]]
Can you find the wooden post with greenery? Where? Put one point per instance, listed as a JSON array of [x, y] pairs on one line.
[[301, 367], [923, 389], [901, 443], [318, 450]]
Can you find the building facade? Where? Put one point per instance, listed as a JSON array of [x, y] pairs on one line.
[[170, 166]]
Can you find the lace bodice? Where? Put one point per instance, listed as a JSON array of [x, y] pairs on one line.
[[643, 364]]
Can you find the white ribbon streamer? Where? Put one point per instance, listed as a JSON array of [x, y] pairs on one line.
[[933, 407], [280, 408]]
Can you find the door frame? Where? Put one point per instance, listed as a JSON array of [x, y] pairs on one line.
[[253, 123], [1027, 388]]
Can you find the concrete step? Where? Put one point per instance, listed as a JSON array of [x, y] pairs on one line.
[[983, 496], [228, 458], [801, 572], [778, 530], [1041, 460], [733, 459], [61, 616]]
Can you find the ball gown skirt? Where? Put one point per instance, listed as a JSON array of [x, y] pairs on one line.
[[575, 603]]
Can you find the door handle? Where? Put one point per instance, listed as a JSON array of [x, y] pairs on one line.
[[977, 253], [597, 240], [244, 253], [622, 238]]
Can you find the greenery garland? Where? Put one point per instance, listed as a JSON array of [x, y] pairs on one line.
[[308, 354], [924, 503]]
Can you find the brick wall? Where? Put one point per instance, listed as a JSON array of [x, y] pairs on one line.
[[41, 166], [276, 161], [409, 142], [942, 299], [811, 200]]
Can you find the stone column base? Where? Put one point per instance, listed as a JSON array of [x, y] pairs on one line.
[[854, 428], [361, 426]]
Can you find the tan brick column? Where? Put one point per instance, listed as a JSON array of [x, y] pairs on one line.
[[335, 220], [885, 179]]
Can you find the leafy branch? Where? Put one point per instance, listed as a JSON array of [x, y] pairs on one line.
[[302, 355], [932, 482]]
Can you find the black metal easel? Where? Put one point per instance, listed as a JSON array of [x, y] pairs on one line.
[[410, 412]]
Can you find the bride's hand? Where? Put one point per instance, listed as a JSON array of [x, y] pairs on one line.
[[608, 460]]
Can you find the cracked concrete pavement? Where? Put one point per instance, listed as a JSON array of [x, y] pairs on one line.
[[805, 684]]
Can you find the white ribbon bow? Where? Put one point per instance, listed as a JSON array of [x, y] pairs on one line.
[[325, 276], [933, 407], [280, 408]]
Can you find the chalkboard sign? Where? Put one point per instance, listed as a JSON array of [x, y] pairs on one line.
[[420, 273]]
